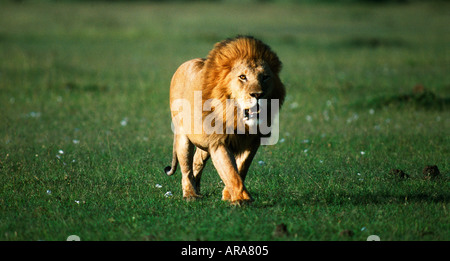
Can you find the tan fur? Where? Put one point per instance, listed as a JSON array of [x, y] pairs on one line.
[[217, 78]]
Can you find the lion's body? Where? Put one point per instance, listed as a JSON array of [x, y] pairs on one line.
[[215, 78], [185, 82]]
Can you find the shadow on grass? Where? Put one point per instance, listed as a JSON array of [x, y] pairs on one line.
[[385, 198], [394, 192], [70, 86], [419, 98], [374, 42], [354, 199]]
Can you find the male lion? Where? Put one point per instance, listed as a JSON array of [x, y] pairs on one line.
[[243, 70]]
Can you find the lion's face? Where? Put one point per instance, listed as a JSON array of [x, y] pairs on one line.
[[250, 81]]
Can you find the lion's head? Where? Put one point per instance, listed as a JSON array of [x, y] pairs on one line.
[[245, 70]]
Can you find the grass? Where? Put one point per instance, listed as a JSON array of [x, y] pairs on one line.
[[92, 80]]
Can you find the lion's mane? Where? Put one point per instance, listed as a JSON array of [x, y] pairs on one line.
[[219, 64]]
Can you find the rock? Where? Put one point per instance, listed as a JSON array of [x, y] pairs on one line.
[[431, 172], [280, 230]]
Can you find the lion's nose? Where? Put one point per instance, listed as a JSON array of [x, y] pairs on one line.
[[256, 94]]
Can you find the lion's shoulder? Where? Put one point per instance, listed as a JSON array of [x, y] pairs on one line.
[[188, 72], [198, 63], [192, 66]]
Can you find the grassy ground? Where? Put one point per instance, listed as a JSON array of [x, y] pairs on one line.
[[85, 122]]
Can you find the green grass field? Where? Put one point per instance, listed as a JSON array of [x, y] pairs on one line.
[[85, 122]]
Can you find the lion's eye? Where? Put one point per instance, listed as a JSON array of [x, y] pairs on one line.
[[242, 77]]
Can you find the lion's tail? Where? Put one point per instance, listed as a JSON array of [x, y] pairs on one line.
[[169, 170]]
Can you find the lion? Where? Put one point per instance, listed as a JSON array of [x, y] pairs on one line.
[[243, 70]]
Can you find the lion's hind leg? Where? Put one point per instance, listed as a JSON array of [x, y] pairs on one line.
[[185, 154], [200, 158]]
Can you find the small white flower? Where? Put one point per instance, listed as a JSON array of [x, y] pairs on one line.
[[305, 151], [58, 156], [158, 186], [168, 194], [261, 163], [363, 228], [293, 105], [308, 118], [34, 114], [362, 153], [321, 161], [124, 122], [76, 141], [305, 141], [49, 191], [371, 111], [282, 140], [77, 201]]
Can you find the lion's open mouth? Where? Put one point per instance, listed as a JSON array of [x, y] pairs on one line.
[[251, 113]]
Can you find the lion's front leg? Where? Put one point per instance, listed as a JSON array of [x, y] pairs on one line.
[[243, 161], [225, 164]]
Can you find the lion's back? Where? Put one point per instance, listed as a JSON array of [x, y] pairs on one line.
[[187, 79]]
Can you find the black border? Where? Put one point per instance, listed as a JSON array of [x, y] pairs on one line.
[[165, 250]]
